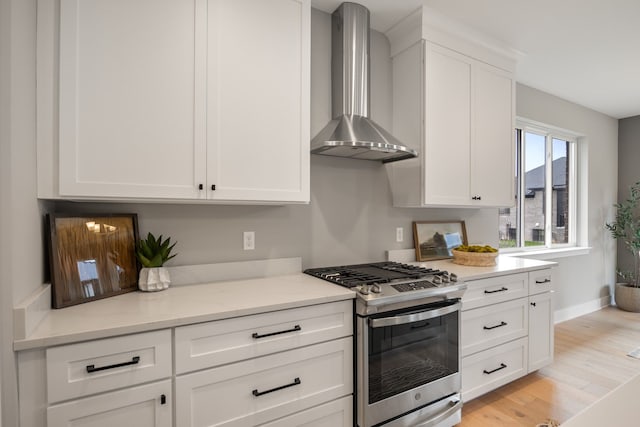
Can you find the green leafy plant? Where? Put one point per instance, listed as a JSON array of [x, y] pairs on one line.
[[626, 227], [152, 252]]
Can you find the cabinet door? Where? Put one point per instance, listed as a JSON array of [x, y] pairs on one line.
[[144, 406], [131, 113], [492, 149], [258, 100], [337, 413], [492, 368], [263, 389], [540, 331], [447, 126]]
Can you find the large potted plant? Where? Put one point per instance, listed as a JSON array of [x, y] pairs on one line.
[[626, 228], [152, 254]]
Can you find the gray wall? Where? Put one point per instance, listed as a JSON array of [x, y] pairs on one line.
[[628, 172], [21, 263], [6, 369], [582, 279], [350, 218]]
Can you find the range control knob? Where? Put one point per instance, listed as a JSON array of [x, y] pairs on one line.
[[364, 289], [375, 288], [453, 277], [437, 280]]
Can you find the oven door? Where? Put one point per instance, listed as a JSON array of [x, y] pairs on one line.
[[407, 359]]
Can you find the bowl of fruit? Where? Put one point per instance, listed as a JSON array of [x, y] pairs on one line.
[[475, 255]]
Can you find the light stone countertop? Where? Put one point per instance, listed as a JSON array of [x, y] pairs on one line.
[[187, 304], [504, 265], [179, 305]]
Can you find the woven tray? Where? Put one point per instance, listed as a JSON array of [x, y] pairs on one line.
[[474, 259]]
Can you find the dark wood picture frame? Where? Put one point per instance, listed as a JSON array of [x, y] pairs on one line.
[[91, 257], [434, 239]]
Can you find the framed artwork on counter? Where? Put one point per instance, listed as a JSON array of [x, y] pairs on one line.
[[435, 239], [91, 257]]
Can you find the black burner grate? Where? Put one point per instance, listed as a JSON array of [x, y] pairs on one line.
[[365, 274]]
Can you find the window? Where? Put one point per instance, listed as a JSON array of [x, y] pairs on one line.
[[544, 214]]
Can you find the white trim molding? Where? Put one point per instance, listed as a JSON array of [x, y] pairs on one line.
[[578, 310]]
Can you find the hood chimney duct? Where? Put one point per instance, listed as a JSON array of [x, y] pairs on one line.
[[351, 133]]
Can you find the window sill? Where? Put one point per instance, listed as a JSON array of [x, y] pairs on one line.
[[550, 253]]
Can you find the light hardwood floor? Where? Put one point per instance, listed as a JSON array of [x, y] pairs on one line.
[[590, 360]]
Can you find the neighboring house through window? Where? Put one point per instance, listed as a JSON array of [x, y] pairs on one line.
[[544, 211]]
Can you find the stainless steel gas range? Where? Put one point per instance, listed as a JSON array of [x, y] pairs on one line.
[[407, 343]]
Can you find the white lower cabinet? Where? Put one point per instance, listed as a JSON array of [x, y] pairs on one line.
[[291, 367], [540, 330], [338, 413], [486, 327], [82, 369], [489, 369], [148, 405], [256, 391], [507, 330]]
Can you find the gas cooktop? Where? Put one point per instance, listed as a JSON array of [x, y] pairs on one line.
[[385, 283], [380, 272]]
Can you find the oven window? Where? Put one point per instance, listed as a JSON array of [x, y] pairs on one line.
[[408, 355]]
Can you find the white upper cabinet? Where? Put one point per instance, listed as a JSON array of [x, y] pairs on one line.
[[258, 100], [457, 111], [130, 123], [174, 99], [493, 147], [447, 123]]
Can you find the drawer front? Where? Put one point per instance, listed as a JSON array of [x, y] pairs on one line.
[[140, 406], [490, 369], [539, 281], [495, 289], [338, 413], [207, 345], [260, 390], [95, 366], [487, 327]]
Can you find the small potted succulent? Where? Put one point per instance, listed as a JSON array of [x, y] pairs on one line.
[[152, 254]]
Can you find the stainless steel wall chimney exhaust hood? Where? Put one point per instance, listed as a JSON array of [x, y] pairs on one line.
[[351, 133]]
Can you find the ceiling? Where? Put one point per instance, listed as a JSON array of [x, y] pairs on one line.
[[585, 51]]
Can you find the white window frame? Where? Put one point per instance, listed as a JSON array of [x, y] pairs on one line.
[[549, 133]]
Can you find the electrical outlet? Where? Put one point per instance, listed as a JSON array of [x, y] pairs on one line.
[[249, 240], [399, 234]]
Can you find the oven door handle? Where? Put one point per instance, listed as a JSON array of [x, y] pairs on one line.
[[414, 317], [455, 406]]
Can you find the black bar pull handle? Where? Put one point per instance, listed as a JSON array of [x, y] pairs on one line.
[[255, 335], [92, 368], [257, 393], [503, 323], [502, 366], [163, 399], [543, 281], [502, 289]]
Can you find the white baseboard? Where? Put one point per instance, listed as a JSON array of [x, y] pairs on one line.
[[581, 309]]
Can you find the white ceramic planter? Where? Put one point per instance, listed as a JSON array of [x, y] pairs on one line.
[[154, 279]]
